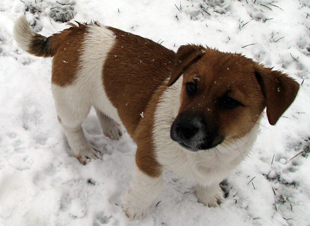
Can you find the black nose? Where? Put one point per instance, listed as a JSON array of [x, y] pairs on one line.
[[193, 133], [185, 130]]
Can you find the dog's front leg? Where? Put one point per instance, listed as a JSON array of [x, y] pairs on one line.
[[142, 192], [211, 195]]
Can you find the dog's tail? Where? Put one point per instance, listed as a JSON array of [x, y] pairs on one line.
[[32, 42]]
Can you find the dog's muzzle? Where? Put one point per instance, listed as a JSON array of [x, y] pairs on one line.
[[193, 133]]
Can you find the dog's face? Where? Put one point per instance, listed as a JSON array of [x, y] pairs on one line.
[[223, 96]]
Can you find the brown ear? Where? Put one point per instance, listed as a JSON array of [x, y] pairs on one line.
[[278, 89], [186, 55]]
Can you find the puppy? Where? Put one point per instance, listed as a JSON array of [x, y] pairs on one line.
[[195, 112]]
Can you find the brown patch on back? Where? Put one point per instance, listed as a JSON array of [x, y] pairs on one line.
[[133, 71], [66, 59]]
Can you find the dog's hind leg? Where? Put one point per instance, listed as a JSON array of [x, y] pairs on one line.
[[72, 110], [110, 128]]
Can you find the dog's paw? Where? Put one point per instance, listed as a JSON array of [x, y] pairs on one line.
[[142, 192], [86, 155], [134, 207], [134, 213], [112, 131], [211, 196]]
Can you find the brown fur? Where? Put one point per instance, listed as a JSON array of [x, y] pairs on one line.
[[146, 65], [218, 74], [66, 59], [186, 56], [143, 136], [278, 89]]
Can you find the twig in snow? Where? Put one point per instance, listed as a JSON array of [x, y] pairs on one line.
[[278, 39], [275, 206], [251, 180], [204, 9], [248, 45], [253, 186], [274, 191], [179, 8], [287, 219], [60, 3], [266, 6], [272, 159], [276, 6], [299, 153], [236, 194], [245, 23], [294, 58], [160, 41]]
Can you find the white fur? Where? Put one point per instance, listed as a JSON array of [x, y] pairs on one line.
[[23, 33], [208, 167], [142, 192], [73, 102]]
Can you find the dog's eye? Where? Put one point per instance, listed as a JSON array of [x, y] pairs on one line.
[[191, 88], [229, 103]]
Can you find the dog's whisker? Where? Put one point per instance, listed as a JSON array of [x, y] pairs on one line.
[[250, 146], [241, 154], [261, 125], [218, 151]]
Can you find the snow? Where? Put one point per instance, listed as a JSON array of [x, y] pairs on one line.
[[42, 184]]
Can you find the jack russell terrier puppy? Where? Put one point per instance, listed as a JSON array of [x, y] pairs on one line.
[[195, 112]]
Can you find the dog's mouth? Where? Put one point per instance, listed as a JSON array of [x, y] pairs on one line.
[[187, 146], [200, 147]]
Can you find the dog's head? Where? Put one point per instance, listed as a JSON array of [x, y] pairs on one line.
[[223, 96]]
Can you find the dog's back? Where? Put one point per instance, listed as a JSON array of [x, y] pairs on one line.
[[85, 52]]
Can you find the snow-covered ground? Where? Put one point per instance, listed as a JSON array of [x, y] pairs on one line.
[[42, 184]]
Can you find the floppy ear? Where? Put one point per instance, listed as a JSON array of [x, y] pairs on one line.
[[278, 89], [186, 55]]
